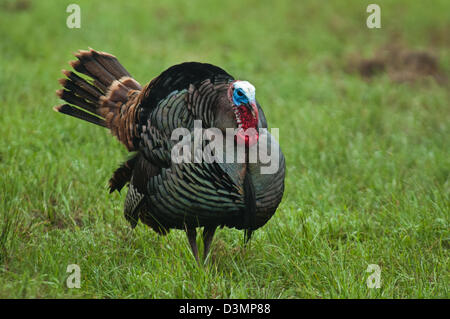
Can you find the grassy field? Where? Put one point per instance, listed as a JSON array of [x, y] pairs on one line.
[[368, 159]]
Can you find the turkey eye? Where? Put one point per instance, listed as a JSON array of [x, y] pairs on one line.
[[240, 93]]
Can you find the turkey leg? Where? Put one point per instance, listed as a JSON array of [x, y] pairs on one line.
[[192, 238], [208, 234]]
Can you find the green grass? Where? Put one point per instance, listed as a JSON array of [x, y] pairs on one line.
[[368, 163]]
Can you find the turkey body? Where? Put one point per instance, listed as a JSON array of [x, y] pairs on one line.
[[161, 193]]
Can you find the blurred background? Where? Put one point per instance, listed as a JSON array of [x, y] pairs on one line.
[[364, 124]]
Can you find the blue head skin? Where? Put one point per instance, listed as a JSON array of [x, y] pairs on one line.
[[244, 93]]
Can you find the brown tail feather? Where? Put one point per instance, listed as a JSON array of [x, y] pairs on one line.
[[111, 95], [111, 64], [72, 98], [73, 111], [81, 92], [80, 82]]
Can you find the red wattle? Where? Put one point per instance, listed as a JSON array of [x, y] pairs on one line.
[[248, 137]]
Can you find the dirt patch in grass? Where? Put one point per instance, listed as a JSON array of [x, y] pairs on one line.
[[51, 218], [16, 5], [439, 35], [400, 64]]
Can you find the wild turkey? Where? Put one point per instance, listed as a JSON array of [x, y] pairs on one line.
[[161, 193]]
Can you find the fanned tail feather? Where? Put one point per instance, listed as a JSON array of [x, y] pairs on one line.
[[108, 98]]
